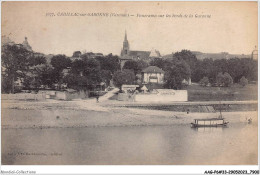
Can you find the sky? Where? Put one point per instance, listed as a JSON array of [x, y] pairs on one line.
[[229, 26]]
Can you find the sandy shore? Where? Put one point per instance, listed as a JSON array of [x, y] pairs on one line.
[[88, 113]]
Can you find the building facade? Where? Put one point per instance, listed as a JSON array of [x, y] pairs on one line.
[[152, 74]]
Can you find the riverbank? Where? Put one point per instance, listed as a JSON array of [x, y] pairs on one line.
[[88, 113], [84, 132]]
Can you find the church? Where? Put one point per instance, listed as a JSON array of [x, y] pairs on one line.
[[127, 54]]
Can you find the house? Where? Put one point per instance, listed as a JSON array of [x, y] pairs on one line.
[[152, 74]]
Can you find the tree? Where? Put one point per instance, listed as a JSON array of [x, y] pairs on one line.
[[243, 81], [109, 62], [204, 68], [106, 76], [92, 71], [85, 74], [224, 79], [72, 81], [123, 77], [15, 63], [141, 65], [175, 73], [131, 65], [189, 58], [235, 68], [159, 62], [39, 75], [136, 66], [34, 60], [59, 63], [249, 68], [220, 65], [6, 84], [204, 81]]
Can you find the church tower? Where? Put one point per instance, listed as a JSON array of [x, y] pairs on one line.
[[126, 47], [26, 44]]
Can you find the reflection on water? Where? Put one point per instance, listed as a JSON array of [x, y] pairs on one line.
[[177, 144], [209, 129]]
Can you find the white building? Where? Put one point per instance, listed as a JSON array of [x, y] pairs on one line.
[[152, 74]]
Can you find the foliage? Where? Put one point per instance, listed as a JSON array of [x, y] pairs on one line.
[[224, 79], [175, 73], [109, 62], [15, 63], [84, 74], [60, 62], [234, 66], [131, 65], [87, 70], [141, 65], [36, 60], [136, 66], [204, 81], [72, 81], [159, 62], [243, 81], [106, 76], [189, 58], [6, 84], [123, 77]]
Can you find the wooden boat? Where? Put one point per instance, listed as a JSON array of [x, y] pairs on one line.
[[209, 122]]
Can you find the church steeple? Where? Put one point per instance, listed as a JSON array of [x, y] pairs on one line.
[[125, 37], [126, 46]]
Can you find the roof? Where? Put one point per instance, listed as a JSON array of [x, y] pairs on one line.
[[208, 119], [144, 88], [152, 69], [140, 54]]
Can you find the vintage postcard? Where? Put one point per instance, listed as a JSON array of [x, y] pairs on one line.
[[129, 83]]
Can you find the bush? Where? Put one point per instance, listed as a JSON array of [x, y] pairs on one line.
[[243, 81], [224, 79], [204, 81]]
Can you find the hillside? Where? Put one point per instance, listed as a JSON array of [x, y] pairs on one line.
[[214, 56]]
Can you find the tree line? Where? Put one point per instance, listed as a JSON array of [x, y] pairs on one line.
[[184, 65], [220, 71], [84, 71], [35, 72]]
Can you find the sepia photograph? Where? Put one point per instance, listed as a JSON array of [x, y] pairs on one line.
[[129, 83]]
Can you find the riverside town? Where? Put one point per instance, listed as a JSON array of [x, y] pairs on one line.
[[141, 90]]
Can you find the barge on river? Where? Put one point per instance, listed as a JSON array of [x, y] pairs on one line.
[[209, 122]]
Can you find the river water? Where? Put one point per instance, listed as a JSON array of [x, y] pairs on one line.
[[164, 145]]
